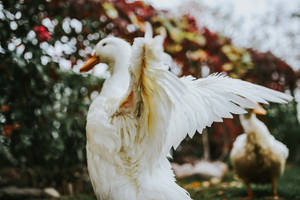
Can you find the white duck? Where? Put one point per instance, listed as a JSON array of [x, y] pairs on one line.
[[256, 155], [143, 110]]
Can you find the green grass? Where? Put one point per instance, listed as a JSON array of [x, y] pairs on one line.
[[232, 189]]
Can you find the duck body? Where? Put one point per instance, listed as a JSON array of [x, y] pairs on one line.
[[257, 156], [120, 170]]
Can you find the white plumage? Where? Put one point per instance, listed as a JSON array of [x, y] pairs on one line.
[[143, 110]]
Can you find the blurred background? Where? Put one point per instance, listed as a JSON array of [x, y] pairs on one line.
[[44, 99]]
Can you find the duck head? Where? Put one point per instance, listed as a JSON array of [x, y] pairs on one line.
[[108, 51]]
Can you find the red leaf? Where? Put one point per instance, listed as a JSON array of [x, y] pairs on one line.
[[4, 108], [42, 33], [7, 130]]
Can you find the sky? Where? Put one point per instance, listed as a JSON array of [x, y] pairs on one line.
[[265, 25], [165, 4]]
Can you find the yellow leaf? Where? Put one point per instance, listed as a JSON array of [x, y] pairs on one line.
[[227, 66], [193, 186], [226, 49], [174, 48], [110, 10], [197, 55]]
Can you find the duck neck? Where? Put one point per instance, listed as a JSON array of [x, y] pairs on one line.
[[256, 130], [117, 85]]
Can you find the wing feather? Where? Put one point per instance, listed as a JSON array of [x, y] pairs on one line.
[[184, 105], [213, 98]]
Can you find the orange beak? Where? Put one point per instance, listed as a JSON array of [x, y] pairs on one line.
[[90, 63], [260, 110]]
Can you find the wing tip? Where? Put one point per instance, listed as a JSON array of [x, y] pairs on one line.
[[148, 31]]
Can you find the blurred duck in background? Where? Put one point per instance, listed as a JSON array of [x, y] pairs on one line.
[[257, 156]]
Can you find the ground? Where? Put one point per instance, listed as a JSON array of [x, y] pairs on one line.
[[230, 188]]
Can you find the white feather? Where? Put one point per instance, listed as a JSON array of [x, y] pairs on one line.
[[127, 146]]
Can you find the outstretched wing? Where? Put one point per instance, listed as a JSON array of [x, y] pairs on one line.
[[211, 99], [173, 107]]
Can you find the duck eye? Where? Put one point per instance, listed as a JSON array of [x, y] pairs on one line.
[[104, 44]]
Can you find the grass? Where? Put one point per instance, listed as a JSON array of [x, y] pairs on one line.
[[230, 188]]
